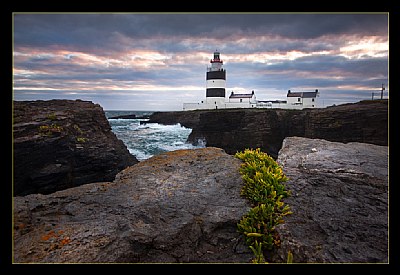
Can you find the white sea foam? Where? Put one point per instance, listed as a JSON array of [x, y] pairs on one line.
[[146, 140]]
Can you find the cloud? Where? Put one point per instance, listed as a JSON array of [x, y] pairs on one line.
[[143, 59]]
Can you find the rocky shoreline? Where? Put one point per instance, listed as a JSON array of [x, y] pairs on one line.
[[80, 197], [237, 129]]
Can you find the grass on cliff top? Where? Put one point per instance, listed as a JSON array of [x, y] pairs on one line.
[[264, 188]]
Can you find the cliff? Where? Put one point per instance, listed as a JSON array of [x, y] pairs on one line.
[[59, 144], [237, 129], [184, 206]]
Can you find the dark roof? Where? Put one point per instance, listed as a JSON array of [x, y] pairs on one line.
[[291, 94], [309, 94], [240, 95], [303, 94]]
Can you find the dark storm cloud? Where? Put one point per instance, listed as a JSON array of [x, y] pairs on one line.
[[328, 63], [316, 72], [143, 58], [95, 29]]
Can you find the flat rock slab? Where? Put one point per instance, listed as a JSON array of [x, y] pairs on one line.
[[181, 206], [339, 202]]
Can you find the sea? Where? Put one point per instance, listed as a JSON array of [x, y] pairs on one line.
[[149, 139]]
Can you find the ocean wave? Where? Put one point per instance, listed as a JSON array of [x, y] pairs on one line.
[[146, 140]]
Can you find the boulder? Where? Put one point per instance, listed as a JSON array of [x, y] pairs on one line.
[[339, 200], [58, 144], [177, 207]]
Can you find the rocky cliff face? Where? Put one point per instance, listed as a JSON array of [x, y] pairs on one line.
[[237, 129], [184, 206], [63, 143]]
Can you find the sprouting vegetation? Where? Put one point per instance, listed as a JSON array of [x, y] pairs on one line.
[[264, 188], [52, 116], [81, 139], [79, 134], [49, 130]]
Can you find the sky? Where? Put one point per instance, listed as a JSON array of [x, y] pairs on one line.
[[158, 61]]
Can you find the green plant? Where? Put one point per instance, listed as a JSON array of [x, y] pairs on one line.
[[81, 139], [259, 224], [257, 250], [52, 116], [263, 186], [76, 127], [289, 257], [49, 130]]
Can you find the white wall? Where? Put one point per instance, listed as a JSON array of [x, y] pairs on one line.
[[308, 103], [240, 105], [293, 100], [220, 105], [271, 105], [237, 100], [209, 104], [215, 101], [216, 83]]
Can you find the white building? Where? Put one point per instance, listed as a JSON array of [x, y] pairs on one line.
[[242, 100], [216, 95], [302, 100]]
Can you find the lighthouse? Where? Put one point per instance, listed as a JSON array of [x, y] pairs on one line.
[[217, 99], [215, 86]]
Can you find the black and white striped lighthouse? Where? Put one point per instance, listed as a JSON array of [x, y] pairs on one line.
[[216, 78]]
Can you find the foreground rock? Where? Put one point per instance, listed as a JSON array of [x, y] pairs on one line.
[[60, 144], [339, 202], [181, 206]]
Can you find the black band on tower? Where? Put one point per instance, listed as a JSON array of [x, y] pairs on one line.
[[215, 92], [216, 75]]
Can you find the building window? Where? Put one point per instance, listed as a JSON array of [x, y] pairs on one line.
[[241, 100], [298, 99], [312, 99]]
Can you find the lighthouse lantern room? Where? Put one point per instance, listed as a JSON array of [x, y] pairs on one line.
[[216, 78]]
